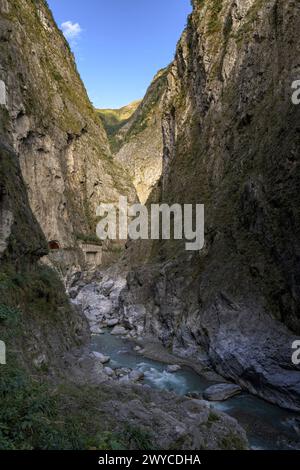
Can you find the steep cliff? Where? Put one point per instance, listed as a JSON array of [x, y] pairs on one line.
[[50, 398], [138, 146], [21, 238], [53, 394], [37, 323], [61, 144], [231, 142], [237, 148]]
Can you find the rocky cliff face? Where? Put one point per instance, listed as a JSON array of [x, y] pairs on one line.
[[44, 337], [20, 235], [36, 319], [61, 144], [231, 142], [139, 143], [50, 132], [233, 134]]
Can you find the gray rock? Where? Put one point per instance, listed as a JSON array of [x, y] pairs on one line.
[[136, 375], [173, 368], [122, 372], [106, 287], [96, 330], [119, 330], [221, 392], [171, 418], [112, 322], [124, 380], [101, 357], [108, 371]]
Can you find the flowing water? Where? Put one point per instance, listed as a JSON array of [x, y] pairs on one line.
[[267, 426]]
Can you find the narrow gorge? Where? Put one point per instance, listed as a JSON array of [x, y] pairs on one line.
[[141, 344]]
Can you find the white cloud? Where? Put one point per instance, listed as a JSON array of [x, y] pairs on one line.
[[71, 30]]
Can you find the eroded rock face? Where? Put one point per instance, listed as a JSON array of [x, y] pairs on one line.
[[20, 234], [139, 144], [98, 299], [45, 340], [231, 142], [61, 144]]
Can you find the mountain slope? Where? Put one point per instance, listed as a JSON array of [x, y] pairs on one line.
[[231, 142], [114, 119], [63, 149], [139, 145]]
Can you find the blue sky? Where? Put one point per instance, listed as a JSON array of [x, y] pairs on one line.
[[119, 45]]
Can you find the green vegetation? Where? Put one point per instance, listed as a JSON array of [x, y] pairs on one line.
[[212, 418], [131, 437], [35, 414], [7, 314], [114, 119], [107, 441], [136, 115], [34, 292], [250, 21], [215, 23], [232, 441], [88, 238], [139, 438], [29, 415]]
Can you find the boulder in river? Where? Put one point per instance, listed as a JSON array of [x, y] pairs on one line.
[[96, 330], [136, 375], [173, 368], [101, 357], [221, 392], [119, 330], [123, 371]]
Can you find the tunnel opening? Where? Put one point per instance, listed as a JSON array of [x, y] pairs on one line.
[[53, 245]]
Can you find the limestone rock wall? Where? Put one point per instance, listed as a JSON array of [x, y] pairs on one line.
[[61, 145], [231, 142]]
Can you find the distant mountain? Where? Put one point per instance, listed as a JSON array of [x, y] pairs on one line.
[[114, 119]]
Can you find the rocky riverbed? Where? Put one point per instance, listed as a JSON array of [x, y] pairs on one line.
[[122, 355]]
